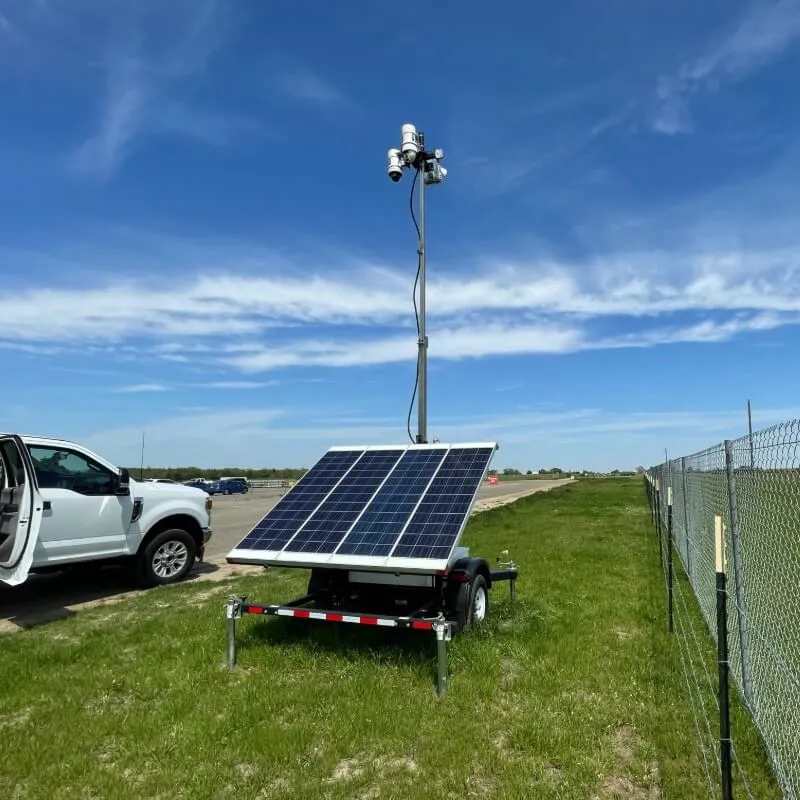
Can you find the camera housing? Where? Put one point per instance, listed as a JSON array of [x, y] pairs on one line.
[[410, 145], [434, 172], [395, 168]]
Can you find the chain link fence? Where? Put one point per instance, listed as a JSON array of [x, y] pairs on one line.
[[753, 484]]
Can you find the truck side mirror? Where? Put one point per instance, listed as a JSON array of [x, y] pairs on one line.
[[124, 482]]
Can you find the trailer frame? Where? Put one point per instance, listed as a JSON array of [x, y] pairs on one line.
[[434, 615]]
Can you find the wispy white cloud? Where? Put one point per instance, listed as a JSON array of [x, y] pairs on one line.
[[285, 315], [212, 437], [181, 311], [493, 339], [584, 437], [31, 349], [509, 167], [761, 36], [142, 387], [219, 385], [307, 85], [235, 385], [212, 127], [146, 62], [705, 331], [124, 110], [453, 343]]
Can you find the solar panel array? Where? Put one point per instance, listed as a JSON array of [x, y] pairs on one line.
[[379, 507]]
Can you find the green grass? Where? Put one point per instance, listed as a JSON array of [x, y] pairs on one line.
[[575, 691]]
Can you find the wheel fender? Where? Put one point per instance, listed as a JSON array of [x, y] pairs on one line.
[[473, 566]]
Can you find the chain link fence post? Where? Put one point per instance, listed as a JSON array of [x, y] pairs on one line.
[[741, 611], [723, 661]]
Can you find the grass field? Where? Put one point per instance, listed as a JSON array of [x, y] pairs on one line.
[[574, 692]]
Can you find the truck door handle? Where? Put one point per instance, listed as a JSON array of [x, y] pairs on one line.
[[47, 506]]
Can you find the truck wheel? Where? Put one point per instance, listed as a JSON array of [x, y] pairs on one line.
[[167, 558], [472, 603]]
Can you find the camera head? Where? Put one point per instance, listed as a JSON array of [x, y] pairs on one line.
[[395, 164], [410, 146]]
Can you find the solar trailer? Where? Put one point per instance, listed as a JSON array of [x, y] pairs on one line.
[[379, 528]]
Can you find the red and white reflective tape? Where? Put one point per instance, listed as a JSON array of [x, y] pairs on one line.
[[332, 616]]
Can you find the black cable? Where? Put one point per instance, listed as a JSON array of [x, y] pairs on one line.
[[414, 298]]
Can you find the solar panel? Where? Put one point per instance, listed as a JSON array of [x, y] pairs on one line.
[[439, 518], [327, 525], [382, 522], [399, 507], [285, 518]]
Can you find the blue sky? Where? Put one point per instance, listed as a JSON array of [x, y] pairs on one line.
[[198, 237]]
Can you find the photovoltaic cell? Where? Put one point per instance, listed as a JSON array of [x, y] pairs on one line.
[[331, 521], [283, 521], [379, 527], [437, 522]]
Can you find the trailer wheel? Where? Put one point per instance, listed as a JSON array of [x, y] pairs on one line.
[[472, 603], [479, 606]]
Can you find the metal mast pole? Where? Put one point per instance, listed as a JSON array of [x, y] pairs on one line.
[[412, 154], [422, 358]]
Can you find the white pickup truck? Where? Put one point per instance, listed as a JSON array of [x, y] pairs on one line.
[[62, 505]]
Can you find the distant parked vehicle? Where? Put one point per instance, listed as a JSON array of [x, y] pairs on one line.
[[160, 480], [223, 487], [241, 479]]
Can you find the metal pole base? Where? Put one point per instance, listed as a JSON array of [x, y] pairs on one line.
[[233, 611], [444, 632]]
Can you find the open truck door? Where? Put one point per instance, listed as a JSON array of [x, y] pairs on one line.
[[21, 509]]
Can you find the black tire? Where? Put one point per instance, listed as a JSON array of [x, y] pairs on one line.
[[176, 551], [465, 602]]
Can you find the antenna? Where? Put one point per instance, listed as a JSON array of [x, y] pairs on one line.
[[141, 461], [413, 155]]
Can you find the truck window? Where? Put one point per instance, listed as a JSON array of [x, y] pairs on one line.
[[60, 468]]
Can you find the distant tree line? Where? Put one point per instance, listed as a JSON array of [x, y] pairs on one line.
[[293, 473], [555, 472], [186, 473]]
